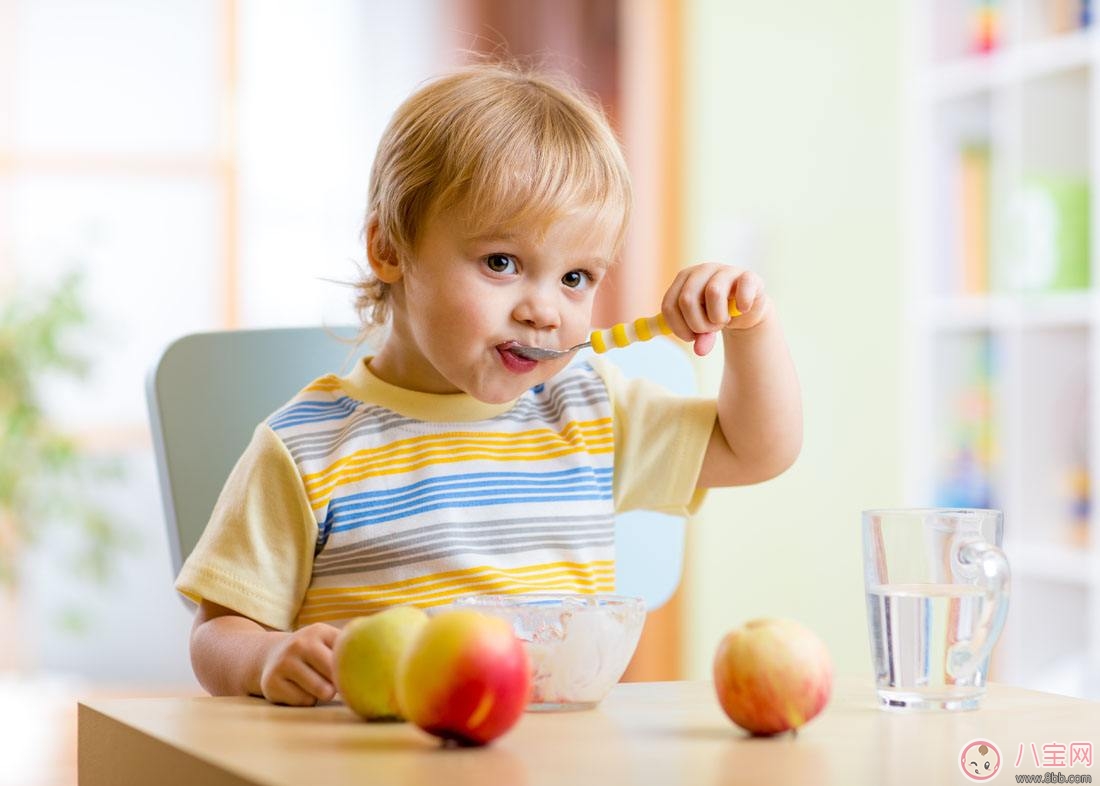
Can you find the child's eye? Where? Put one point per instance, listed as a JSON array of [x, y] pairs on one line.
[[500, 263], [577, 279]]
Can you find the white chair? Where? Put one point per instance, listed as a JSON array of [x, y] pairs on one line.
[[208, 391]]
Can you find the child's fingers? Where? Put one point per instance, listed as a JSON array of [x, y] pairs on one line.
[[698, 301], [306, 677], [304, 659], [320, 660], [717, 295], [671, 310], [691, 300], [747, 292], [282, 690], [704, 343], [677, 324]]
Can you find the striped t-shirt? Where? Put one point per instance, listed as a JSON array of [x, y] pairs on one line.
[[357, 495]]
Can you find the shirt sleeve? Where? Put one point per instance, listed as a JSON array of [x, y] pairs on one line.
[[660, 442], [256, 554]]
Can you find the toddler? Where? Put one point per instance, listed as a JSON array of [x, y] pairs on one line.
[[449, 463]]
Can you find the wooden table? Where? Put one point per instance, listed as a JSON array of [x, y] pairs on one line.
[[659, 733]]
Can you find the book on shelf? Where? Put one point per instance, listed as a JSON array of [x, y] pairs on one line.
[[1064, 16], [985, 25], [1052, 18], [1049, 219], [1079, 504], [974, 217], [967, 441]]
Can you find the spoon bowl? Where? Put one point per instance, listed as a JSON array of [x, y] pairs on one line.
[[541, 353]]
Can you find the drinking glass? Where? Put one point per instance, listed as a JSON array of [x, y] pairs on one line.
[[937, 587]]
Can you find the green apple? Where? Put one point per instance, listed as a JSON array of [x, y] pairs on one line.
[[367, 653]]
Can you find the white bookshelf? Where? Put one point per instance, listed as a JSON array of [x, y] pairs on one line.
[[1002, 387]]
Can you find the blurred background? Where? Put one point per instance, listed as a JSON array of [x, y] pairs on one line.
[[911, 178]]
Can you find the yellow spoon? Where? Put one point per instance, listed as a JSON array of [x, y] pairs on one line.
[[621, 335]]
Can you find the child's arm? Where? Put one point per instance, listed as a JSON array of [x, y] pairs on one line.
[[759, 430], [233, 655]]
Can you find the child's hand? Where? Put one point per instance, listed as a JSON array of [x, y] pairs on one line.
[[697, 303], [299, 670]]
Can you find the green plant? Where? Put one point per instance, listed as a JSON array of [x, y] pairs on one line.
[[45, 479]]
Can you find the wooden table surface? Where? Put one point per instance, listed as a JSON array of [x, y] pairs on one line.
[[660, 733]]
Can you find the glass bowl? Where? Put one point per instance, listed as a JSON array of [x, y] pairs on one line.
[[579, 645]]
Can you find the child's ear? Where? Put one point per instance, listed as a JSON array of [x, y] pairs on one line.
[[381, 256]]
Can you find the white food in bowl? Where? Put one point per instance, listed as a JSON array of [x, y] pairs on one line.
[[579, 645]]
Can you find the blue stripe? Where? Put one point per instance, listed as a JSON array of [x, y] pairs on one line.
[[313, 412], [314, 408], [475, 493], [468, 479], [333, 518], [468, 490]]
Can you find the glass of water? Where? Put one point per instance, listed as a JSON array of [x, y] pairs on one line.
[[937, 588]]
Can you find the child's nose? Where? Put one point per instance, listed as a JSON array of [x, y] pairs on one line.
[[538, 310]]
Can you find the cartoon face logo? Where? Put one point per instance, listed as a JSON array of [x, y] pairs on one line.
[[980, 760]]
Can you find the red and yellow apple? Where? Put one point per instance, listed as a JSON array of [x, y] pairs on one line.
[[465, 679], [772, 675], [366, 656]]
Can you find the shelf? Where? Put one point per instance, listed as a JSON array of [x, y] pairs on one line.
[[977, 74], [1056, 309], [1055, 55], [1002, 312], [964, 78], [998, 311], [1053, 562]]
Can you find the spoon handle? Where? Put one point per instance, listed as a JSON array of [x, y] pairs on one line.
[[643, 329]]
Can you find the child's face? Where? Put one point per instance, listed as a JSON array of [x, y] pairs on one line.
[[464, 299]]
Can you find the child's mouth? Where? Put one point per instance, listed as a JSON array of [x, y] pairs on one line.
[[512, 361]]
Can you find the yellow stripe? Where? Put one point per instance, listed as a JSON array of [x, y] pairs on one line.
[[662, 325], [618, 335], [326, 384], [446, 591], [641, 327], [320, 490], [431, 582], [599, 344], [458, 439], [423, 446], [320, 496], [477, 570], [320, 612], [352, 607], [417, 452], [310, 613], [338, 602]]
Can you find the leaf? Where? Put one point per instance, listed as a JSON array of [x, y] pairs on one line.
[[45, 480]]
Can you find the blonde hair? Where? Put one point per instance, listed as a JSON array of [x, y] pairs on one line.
[[504, 145]]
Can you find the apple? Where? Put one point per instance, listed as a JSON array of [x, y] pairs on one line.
[[466, 678], [772, 675], [367, 653]]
